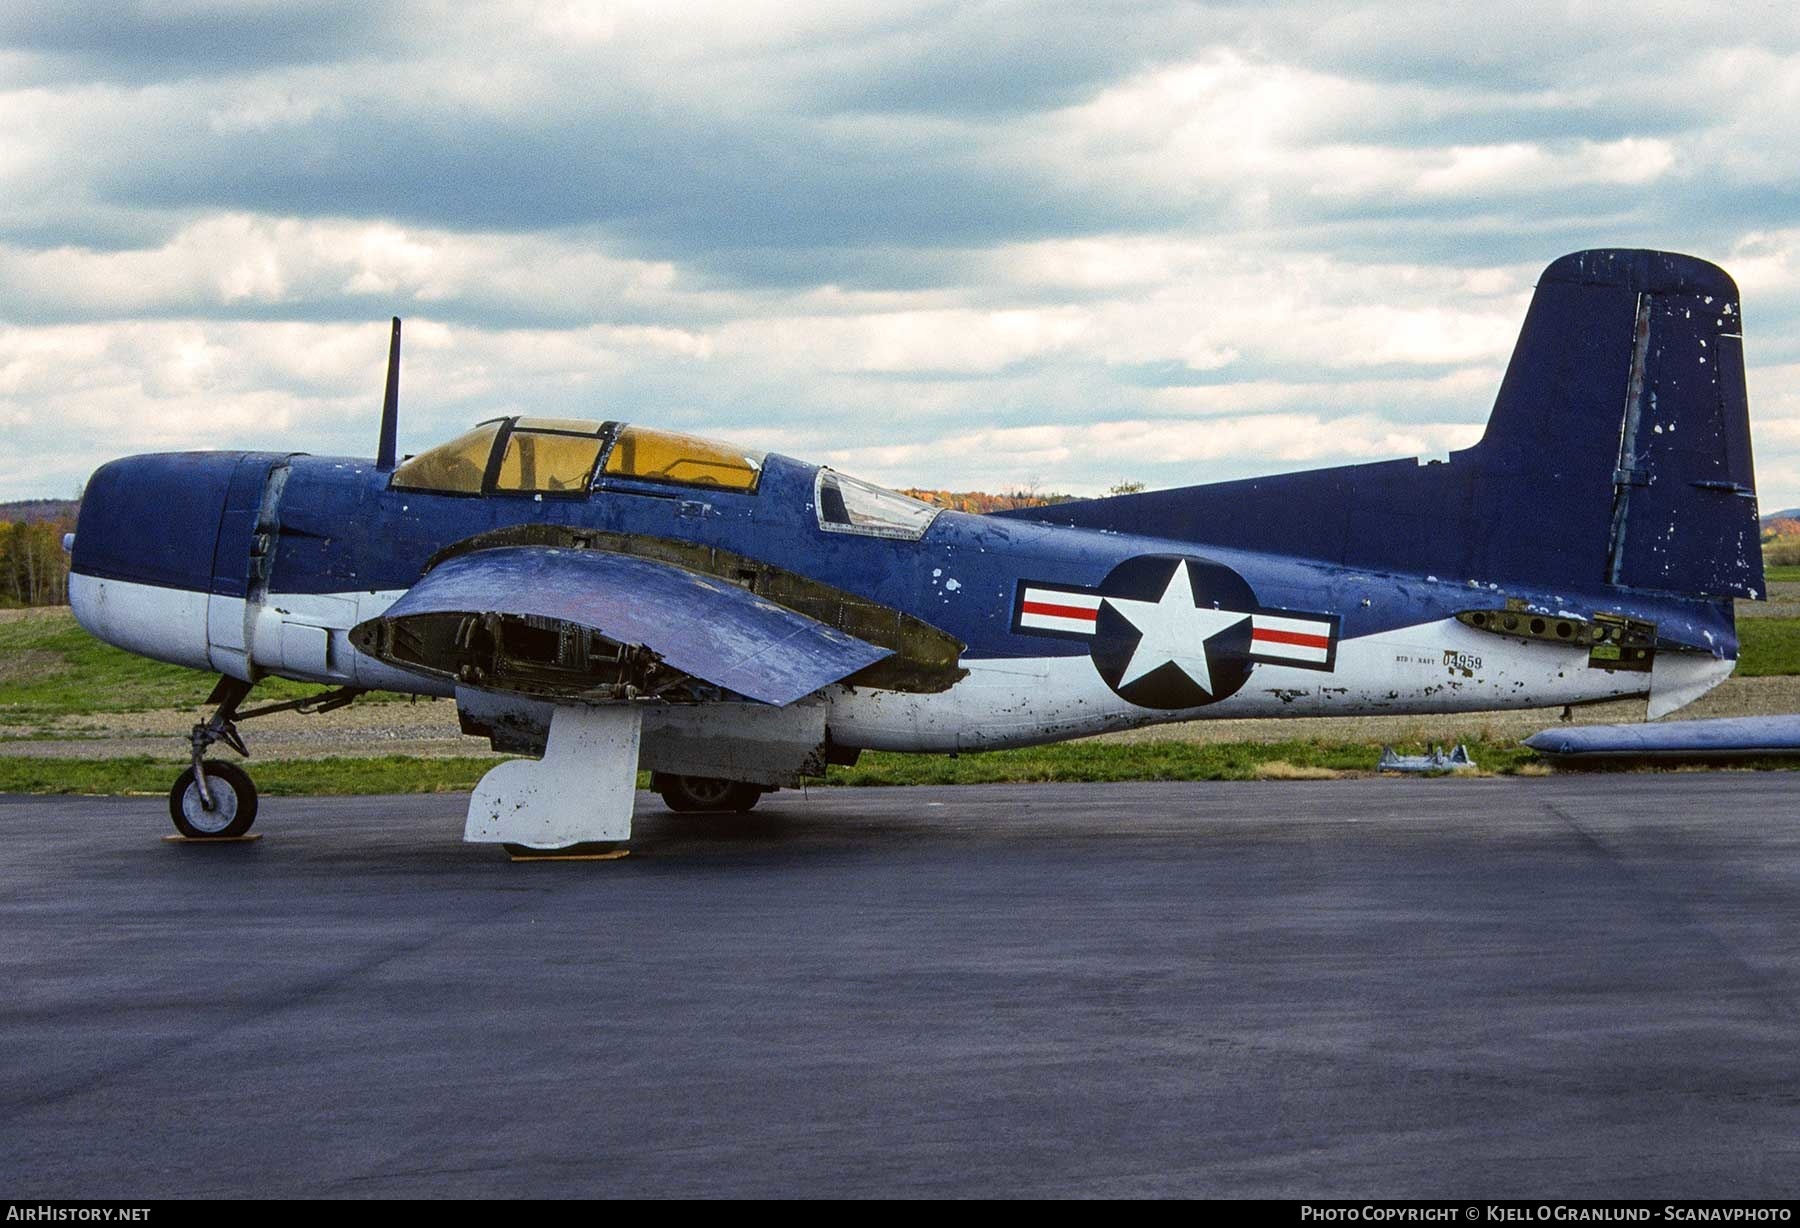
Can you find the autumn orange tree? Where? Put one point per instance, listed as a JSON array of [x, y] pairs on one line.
[[981, 502]]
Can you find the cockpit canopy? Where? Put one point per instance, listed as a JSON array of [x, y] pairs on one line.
[[851, 505], [562, 456]]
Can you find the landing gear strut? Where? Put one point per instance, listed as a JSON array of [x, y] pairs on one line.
[[216, 801]]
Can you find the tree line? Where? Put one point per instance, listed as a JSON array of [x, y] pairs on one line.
[[33, 568]]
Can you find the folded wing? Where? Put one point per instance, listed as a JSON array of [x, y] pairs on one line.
[[593, 626]]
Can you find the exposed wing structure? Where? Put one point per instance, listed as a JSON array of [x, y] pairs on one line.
[[593, 626]]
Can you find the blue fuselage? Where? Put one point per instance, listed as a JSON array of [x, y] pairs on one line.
[[190, 521]]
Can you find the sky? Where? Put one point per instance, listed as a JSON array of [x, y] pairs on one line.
[[968, 245]]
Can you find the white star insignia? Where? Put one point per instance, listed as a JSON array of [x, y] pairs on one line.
[[1172, 629]]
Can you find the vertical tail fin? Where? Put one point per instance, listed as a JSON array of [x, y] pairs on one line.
[[1624, 406], [1617, 453]]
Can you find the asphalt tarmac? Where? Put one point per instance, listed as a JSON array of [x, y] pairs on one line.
[[1569, 987]]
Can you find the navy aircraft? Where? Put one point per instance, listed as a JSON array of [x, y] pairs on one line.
[[604, 595]]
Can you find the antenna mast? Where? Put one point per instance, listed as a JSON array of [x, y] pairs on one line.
[[390, 405]]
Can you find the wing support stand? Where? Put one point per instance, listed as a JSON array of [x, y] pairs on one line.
[[580, 794]]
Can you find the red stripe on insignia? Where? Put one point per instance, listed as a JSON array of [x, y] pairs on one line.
[[1297, 638], [1059, 611]]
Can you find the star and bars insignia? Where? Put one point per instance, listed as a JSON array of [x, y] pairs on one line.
[[1176, 632]]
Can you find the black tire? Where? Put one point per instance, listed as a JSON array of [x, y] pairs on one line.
[[234, 802], [705, 794]]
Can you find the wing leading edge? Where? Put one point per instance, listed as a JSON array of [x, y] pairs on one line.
[[592, 625]]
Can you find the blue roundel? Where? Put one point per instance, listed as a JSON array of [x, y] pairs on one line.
[[1173, 631]]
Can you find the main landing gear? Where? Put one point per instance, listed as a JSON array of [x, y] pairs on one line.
[[705, 794], [217, 801]]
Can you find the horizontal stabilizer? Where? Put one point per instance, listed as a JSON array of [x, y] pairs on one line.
[[592, 626]]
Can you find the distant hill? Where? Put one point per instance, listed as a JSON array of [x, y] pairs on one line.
[[39, 511], [1792, 513], [979, 501]]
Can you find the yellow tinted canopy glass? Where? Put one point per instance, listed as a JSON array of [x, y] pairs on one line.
[[573, 426], [456, 467], [546, 462], [664, 456]]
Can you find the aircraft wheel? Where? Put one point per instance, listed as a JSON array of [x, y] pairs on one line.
[[234, 803], [705, 794]]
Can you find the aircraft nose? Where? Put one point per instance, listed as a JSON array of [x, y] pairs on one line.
[[141, 564], [154, 519]]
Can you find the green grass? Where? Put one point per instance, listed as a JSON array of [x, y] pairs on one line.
[[1077, 761], [50, 667], [1780, 575], [1768, 646]]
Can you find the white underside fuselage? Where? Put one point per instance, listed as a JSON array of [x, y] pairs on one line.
[[1433, 667]]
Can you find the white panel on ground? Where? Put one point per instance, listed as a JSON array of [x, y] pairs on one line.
[[582, 789]]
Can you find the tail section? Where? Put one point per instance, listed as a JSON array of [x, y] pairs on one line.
[[1626, 393], [1617, 453]]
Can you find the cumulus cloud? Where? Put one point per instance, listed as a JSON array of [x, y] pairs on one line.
[[980, 245]]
